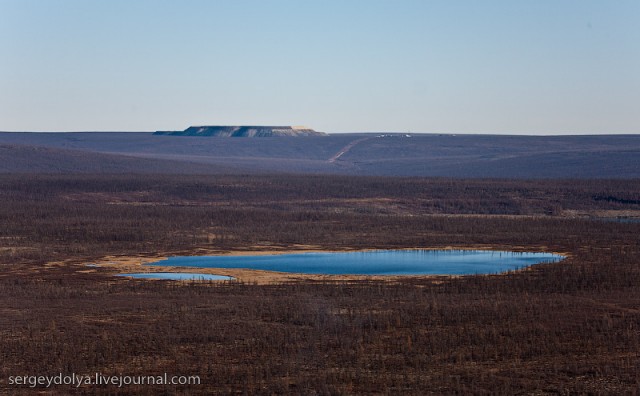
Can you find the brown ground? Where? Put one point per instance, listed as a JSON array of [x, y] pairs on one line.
[[564, 328]]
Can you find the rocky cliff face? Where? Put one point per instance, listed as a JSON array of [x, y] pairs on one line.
[[244, 131]]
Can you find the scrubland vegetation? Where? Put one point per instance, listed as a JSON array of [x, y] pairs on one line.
[[571, 327]]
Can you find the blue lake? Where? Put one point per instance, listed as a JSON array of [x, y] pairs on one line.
[[376, 262], [177, 276], [619, 219]]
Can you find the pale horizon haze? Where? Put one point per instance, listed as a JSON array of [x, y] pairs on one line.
[[500, 67]]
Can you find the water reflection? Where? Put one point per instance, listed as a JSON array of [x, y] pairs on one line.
[[377, 262], [177, 276]]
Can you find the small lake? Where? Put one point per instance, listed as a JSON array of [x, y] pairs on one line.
[[619, 219], [376, 262], [177, 276]]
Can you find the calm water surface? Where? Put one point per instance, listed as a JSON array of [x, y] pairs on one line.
[[177, 276], [619, 219], [377, 262]]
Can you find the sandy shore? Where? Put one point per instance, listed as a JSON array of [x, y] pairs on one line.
[[138, 264]]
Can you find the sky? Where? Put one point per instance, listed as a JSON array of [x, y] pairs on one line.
[[451, 66]]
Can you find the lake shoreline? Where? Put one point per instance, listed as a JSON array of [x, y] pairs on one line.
[[143, 264]]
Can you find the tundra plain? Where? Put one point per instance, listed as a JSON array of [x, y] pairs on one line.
[[361, 154], [568, 327]]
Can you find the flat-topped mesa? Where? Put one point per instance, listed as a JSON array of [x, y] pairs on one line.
[[244, 131]]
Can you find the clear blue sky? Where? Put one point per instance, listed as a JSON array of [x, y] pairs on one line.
[[534, 67]]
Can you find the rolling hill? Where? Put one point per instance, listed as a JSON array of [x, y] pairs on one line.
[[38, 159], [441, 155]]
